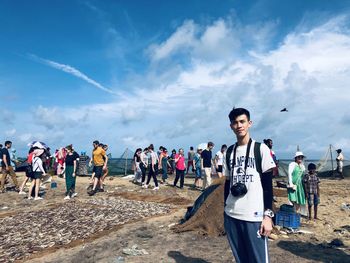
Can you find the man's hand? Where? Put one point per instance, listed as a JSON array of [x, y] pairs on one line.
[[7, 168], [266, 226]]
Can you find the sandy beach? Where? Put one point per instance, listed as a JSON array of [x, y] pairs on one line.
[[130, 224]]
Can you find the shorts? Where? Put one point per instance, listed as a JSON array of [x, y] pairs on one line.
[[313, 199], [219, 170], [98, 171], [36, 175], [198, 172]]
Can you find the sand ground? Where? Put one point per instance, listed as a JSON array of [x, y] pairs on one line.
[[155, 236]]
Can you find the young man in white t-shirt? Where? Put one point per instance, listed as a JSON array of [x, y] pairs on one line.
[[219, 157], [248, 216]]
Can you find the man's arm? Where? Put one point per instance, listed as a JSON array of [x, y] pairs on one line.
[[4, 159], [266, 182], [225, 171]]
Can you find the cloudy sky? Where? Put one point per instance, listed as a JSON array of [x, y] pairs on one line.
[[130, 73]]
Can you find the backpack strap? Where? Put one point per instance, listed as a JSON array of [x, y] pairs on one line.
[[257, 155], [228, 156]]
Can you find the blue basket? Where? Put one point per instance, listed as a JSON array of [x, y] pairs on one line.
[[287, 219]]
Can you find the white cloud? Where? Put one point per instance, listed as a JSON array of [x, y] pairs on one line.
[[72, 71]]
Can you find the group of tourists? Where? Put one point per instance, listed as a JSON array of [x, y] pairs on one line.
[[148, 164]]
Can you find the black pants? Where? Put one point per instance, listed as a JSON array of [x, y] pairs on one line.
[[153, 174], [180, 174], [143, 171]]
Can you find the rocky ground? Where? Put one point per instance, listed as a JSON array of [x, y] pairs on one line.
[[130, 224]]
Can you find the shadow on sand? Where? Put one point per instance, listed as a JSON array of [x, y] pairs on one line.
[[179, 258], [311, 251]]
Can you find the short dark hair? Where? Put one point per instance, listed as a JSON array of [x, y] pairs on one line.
[[311, 166], [235, 112], [0, 145], [338, 151], [223, 146], [151, 147], [96, 142], [8, 142], [191, 148], [210, 144]]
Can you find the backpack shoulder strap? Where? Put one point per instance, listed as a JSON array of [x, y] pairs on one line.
[[257, 156], [228, 156]]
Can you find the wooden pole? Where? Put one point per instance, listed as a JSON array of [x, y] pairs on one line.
[[126, 161], [330, 149]]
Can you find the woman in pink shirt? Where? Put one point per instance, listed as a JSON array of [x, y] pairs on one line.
[[180, 168]]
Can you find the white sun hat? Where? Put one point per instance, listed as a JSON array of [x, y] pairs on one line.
[[299, 154]]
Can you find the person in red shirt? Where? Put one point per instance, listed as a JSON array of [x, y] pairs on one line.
[[180, 168]]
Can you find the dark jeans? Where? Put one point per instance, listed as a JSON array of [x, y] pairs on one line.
[[143, 171], [180, 174], [153, 174]]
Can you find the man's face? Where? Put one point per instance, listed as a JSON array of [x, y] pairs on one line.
[[94, 145], [8, 146], [241, 125]]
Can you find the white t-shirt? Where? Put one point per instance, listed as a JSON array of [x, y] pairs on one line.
[[249, 207], [220, 156]]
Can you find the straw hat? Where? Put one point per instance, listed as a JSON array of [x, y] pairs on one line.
[[299, 154]]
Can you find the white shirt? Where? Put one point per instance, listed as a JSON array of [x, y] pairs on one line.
[[220, 158], [249, 207], [37, 165]]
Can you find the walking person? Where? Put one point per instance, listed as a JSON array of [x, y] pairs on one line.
[[100, 160], [248, 192], [296, 193], [206, 163], [70, 167], [137, 169], [38, 173], [172, 161], [153, 168], [7, 168], [190, 156], [180, 168], [340, 159], [143, 165], [163, 164], [29, 170], [219, 157]]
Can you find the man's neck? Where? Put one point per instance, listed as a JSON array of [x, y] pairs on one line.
[[243, 140]]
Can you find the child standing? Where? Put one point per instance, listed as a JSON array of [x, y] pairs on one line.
[[312, 189]]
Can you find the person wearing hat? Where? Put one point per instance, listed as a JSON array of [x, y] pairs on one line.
[[296, 170], [38, 172], [340, 159]]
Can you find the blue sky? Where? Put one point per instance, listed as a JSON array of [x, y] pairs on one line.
[[130, 73]]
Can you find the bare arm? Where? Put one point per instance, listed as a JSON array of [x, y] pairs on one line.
[[4, 159], [74, 167]]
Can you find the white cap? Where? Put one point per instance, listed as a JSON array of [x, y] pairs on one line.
[[299, 154]]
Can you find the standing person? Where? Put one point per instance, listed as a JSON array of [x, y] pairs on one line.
[[312, 189], [105, 170], [172, 161], [197, 167], [7, 168], [180, 168], [296, 170], [70, 167], [38, 172], [60, 158], [190, 156], [269, 144], [1, 156], [219, 157], [100, 160], [163, 164], [340, 159], [153, 168], [206, 163], [137, 161], [248, 192], [143, 165]]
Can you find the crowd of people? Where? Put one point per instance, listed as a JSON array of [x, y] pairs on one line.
[[248, 167]]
